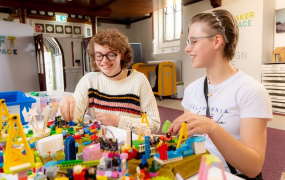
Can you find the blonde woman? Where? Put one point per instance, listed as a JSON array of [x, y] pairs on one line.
[[229, 107]]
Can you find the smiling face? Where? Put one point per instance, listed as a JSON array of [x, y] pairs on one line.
[[201, 48], [108, 67]]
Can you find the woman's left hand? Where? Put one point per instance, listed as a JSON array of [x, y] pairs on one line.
[[196, 124], [107, 119]]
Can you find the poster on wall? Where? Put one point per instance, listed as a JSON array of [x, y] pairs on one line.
[[18, 70], [248, 56], [280, 21]]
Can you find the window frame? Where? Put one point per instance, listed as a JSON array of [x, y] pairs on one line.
[[174, 7], [159, 46]]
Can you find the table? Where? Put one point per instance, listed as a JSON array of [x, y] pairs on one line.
[[214, 174]]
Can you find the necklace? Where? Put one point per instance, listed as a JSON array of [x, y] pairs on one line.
[[113, 75], [226, 76]]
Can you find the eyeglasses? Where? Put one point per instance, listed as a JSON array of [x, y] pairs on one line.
[[192, 41], [110, 56]]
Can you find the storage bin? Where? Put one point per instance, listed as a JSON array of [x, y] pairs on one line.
[[180, 91], [16, 101], [45, 97]]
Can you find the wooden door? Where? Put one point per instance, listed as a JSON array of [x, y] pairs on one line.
[[85, 58], [39, 44]]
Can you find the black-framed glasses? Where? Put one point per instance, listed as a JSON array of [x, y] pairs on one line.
[[192, 41], [110, 56]]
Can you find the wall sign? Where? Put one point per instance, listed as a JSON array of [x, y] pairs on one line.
[[18, 65], [61, 18], [9, 47]]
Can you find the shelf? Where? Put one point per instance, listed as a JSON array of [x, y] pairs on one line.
[[273, 79]]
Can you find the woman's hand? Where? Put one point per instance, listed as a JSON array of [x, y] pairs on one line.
[[67, 106], [196, 124], [107, 119]]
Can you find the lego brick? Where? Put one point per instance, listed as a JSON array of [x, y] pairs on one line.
[[51, 143]]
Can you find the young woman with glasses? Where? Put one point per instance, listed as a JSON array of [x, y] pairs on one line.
[[115, 95], [228, 107]]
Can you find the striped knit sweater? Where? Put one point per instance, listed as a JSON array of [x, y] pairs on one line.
[[126, 98]]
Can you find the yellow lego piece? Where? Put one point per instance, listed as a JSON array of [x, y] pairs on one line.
[[182, 135], [14, 159]]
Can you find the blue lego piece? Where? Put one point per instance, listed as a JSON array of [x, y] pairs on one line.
[[50, 164], [59, 162], [173, 154], [147, 146], [40, 177], [156, 155], [69, 148], [184, 147], [197, 139], [144, 161], [71, 123], [1, 157], [179, 151], [64, 133], [33, 145], [86, 130], [119, 161], [187, 153], [86, 143]]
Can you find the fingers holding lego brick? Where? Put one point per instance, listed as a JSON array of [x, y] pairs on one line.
[[67, 106]]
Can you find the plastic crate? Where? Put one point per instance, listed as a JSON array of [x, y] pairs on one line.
[[45, 97], [16, 101]]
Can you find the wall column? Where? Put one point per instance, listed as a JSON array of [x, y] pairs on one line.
[[94, 24], [22, 13]]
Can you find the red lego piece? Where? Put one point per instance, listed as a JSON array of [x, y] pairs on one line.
[[77, 137], [79, 176], [132, 154], [162, 151], [50, 123]]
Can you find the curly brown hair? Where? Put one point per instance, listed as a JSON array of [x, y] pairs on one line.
[[116, 42], [221, 22]]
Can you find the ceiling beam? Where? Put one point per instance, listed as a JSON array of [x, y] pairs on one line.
[[216, 3], [113, 21], [104, 5], [39, 6], [189, 2], [125, 22], [143, 18], [5, 10]]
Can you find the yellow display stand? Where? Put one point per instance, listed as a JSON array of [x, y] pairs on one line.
[[166, 77], [14, 159]]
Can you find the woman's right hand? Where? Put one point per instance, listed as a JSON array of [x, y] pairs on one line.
[[67, 106]]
